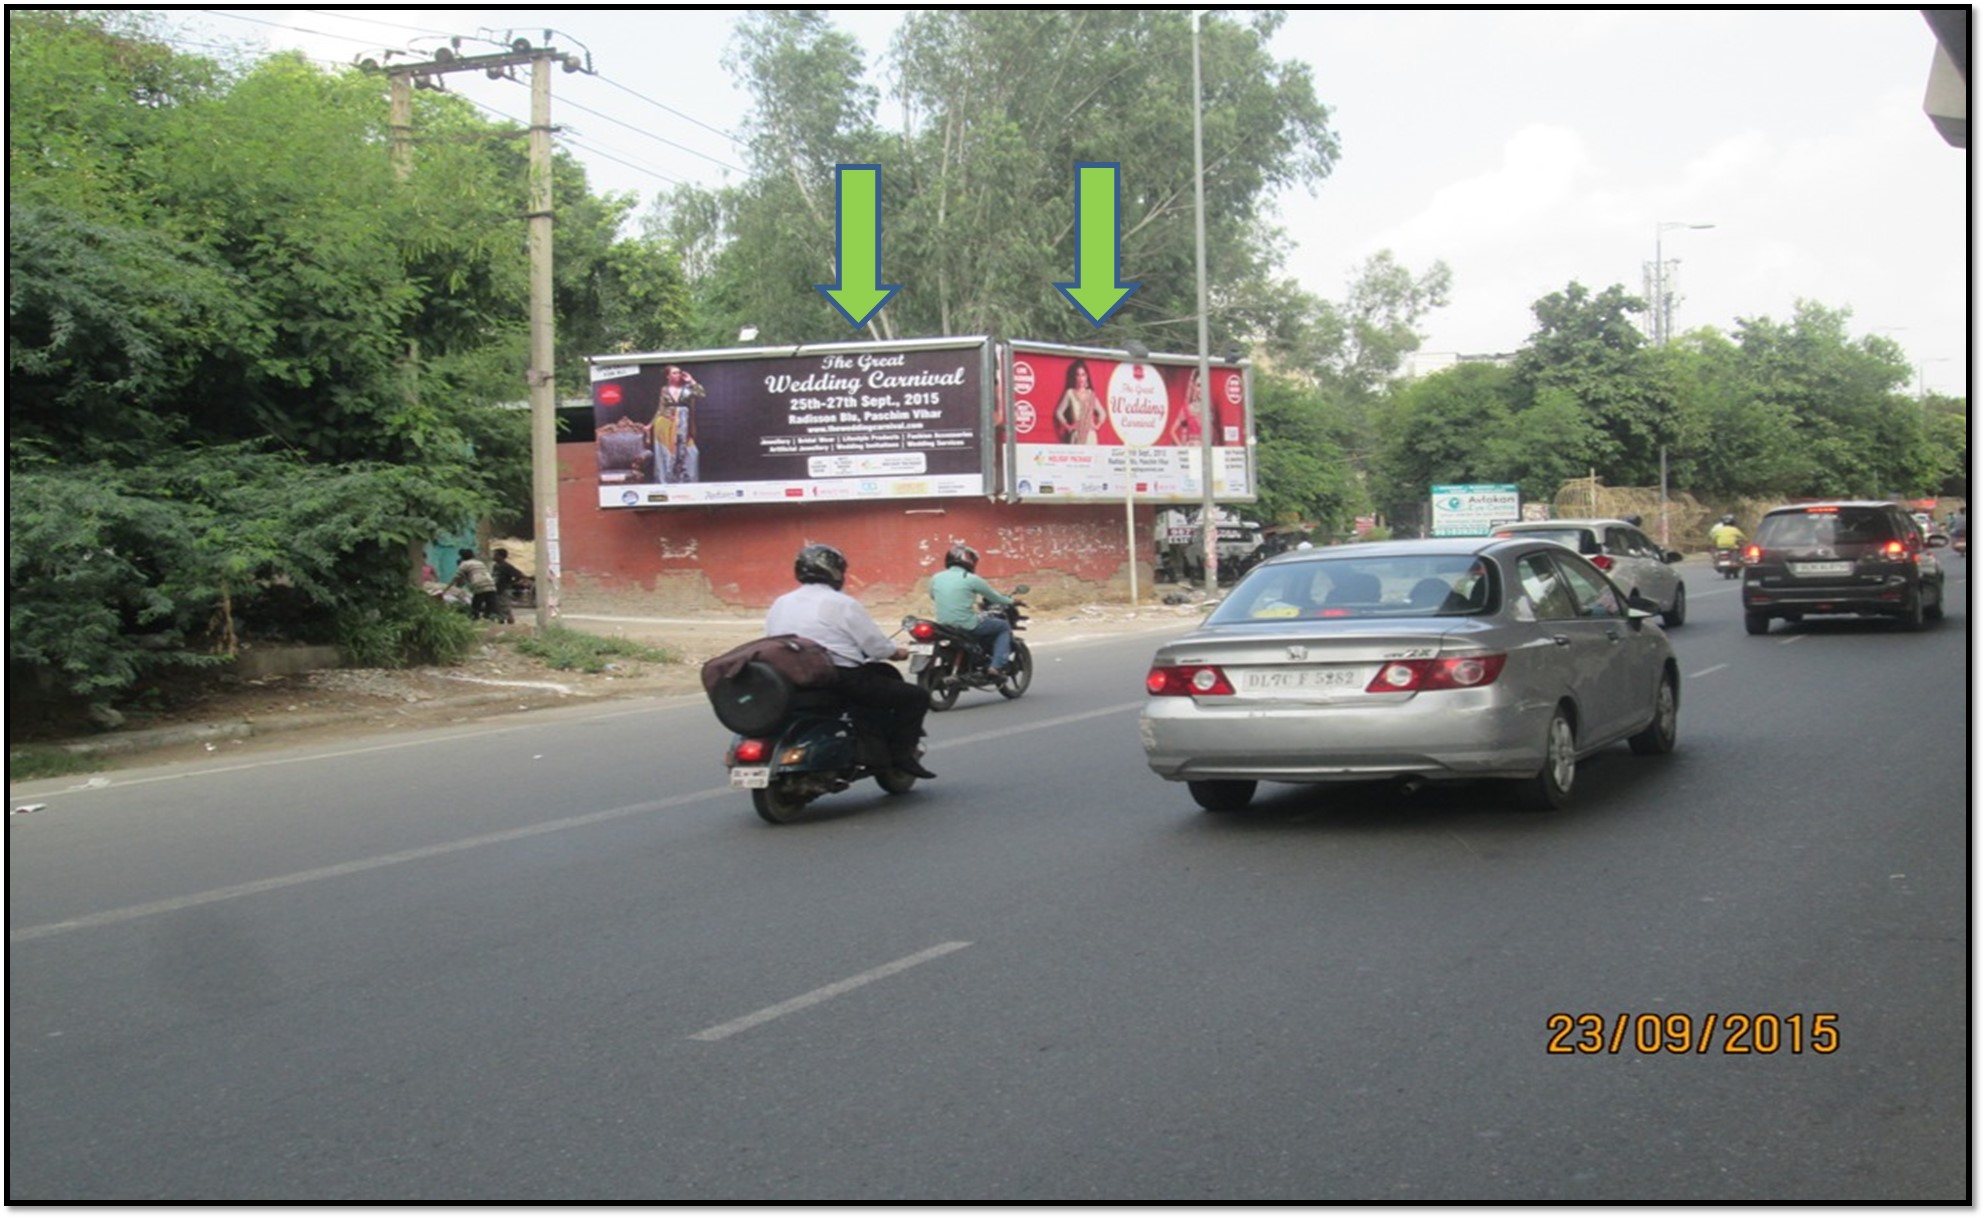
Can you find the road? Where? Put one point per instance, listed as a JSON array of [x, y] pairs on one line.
[[554, 958]]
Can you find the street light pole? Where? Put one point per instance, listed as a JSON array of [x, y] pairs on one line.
[[1663, 321], [1209, 529]]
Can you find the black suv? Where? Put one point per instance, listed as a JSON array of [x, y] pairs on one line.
[[1841, 557]]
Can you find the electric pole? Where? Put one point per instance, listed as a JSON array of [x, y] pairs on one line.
[[540, 377]]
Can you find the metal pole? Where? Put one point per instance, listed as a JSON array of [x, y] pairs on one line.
[[1209, 530], [1130, 522], [543, 391]]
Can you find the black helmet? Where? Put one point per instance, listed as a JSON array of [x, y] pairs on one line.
[[1729, 518], [820, 564], [961, 555]]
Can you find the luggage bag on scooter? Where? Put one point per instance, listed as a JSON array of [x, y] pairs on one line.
[[754, 686]]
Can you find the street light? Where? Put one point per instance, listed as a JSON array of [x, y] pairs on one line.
[[1663, 309], [1663, 324]]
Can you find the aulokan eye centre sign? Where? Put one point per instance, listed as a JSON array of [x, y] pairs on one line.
[[825, 422]]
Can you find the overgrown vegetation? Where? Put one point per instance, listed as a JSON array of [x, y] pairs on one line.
[[26, 762], [564, 648]]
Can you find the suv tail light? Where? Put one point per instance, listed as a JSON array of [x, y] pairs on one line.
[[1604, 562], [1441, 673], [1753, 552], [1185, 681]]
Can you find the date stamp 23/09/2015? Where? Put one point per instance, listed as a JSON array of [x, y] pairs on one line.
[[1688, 1033]]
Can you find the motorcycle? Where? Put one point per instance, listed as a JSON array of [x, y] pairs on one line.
[[1730, 562], [948, 660], [794, 746]]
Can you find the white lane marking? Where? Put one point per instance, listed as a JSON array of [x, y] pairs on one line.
[[1706, 672], [128, 913], [1792, 639], [763, 1014]]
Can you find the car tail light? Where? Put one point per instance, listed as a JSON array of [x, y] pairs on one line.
[[1441, 673], [922, 631], [1895, 549], [1604, 562], [1185, 681], [750, 752], [1753, 553]]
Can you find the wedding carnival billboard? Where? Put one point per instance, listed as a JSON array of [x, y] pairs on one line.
[[827, 421], [1082, 420]]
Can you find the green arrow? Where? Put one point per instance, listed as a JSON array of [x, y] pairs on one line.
[[859, 291], [1097, 291]]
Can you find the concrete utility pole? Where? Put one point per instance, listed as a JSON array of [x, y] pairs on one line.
[[540, 378]]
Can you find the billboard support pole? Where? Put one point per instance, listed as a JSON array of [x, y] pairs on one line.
[[1209, 531], [1130, 522]]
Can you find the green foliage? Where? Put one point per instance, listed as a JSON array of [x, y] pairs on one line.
[[405, 628], [564, 648], [27, 762]]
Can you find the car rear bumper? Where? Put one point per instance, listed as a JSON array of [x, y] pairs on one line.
[[1890, 596], [1444, 735]]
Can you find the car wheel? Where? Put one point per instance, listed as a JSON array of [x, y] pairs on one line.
[[1222, 795], [1935, 610], [1756, 623], [1912, 614], [1659, 735], [1550, 787], [1677, 613]]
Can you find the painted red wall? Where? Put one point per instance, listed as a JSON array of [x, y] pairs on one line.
[[741, 556]]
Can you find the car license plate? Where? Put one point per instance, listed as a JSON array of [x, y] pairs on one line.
[[1822, 569], [1296, 682], [751, 776]]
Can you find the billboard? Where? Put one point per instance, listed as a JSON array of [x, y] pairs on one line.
[[1078, 416], [1473, 510], [793, 424]]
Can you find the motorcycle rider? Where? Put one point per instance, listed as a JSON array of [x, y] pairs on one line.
[[820, 611], [956, 591], [1724, 534]]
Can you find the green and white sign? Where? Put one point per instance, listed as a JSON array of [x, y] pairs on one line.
[[1473, 510]]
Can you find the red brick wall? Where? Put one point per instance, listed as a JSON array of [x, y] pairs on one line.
[[740, 556]]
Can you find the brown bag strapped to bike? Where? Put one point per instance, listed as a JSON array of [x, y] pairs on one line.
[[752, 687]]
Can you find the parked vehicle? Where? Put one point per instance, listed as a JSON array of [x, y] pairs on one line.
[[1863, 557], [1627, 556], [1730, 562], [794, 746], [1415, 661], [947, 660]]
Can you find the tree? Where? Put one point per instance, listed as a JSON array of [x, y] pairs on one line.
[[1587, 346]]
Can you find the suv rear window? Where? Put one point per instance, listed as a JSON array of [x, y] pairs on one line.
[[1834, 527]]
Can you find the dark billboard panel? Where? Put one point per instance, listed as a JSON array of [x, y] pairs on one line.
[[830, 421], [1078, 414]]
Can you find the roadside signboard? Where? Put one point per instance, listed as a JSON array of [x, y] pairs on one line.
[[1078, 416], [1473, 510], [829, 421]]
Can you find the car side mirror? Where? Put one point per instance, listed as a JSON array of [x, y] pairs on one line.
[[1939, 539], [1640, 606], [1671, 556]]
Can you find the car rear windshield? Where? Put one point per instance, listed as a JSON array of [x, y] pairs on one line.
[[1824, 527], [1576, 539], [1400, 586]]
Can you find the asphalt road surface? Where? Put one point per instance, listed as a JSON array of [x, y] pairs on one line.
[[555, 958]]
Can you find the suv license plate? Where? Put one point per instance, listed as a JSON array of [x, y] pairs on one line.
[[751, 776], [1822, 569]]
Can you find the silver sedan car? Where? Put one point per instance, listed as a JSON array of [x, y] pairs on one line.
[[1420, 661]]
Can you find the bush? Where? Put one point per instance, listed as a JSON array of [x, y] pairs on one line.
[[409, 628]]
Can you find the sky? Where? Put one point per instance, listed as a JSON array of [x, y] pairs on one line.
[[1526, 150]]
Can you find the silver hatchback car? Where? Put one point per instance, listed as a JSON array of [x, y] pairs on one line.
[[1421, 661]]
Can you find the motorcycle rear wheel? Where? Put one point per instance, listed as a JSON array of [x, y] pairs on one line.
[[894, 781], [943, 692], [778, 803]]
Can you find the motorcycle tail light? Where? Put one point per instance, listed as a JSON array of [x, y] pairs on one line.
[[749, 752], [923, 632]]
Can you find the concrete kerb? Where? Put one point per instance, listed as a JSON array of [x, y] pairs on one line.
[[137, 739]]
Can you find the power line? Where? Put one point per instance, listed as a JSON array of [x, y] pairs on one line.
[[671, 109], [295, 29], [651, 135]]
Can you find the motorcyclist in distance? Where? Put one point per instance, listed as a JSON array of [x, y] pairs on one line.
[[820, 611], [1724, 534], [957, 589]]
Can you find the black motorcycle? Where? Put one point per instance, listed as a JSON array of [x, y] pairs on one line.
[[794, 746], [1729, 562], [948, 660]]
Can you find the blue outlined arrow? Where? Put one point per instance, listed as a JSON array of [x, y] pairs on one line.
[[1098, 289], [859, 290]]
